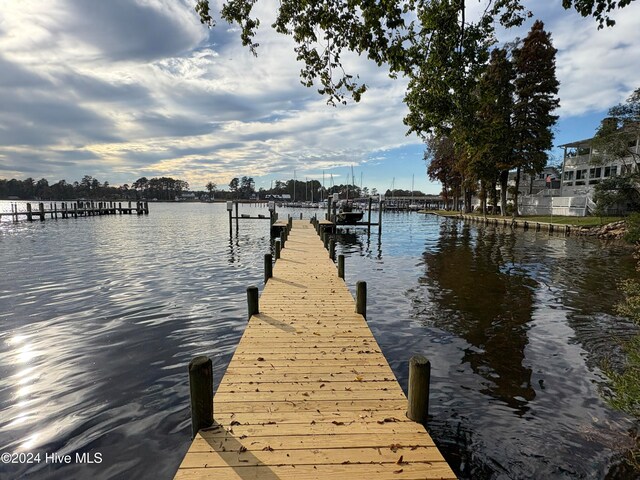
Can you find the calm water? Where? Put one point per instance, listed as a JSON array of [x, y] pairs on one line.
[[100, 316]]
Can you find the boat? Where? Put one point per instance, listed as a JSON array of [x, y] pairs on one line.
[[348, 214]]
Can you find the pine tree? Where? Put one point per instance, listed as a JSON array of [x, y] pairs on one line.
[[536, 97]]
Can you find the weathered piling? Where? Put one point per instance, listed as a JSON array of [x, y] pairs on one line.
[[332, 249], [418, 397], [277, 243], [341, 266], [252, 301], [268, 267], [41, 208], [201, 393], [361, 298]]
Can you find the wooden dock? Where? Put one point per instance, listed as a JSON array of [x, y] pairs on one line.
[[308, 393], [74, 210]]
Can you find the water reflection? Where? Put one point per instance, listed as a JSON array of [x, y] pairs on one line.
[[481, 298]]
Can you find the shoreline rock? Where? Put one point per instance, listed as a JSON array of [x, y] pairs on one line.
[[610, 231]]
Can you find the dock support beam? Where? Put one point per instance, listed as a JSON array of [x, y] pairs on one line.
[[201, 392], [341, 266], [361, 298], [252, 301], [419, 378]]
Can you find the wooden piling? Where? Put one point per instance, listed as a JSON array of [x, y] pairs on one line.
[[361, 298], [201, 392], [380, 203], [332, 249], [41, 208], [268, 267], [29, 215], [369, 216], [418, 398], [252, 301], [278, 249], [341, 266]]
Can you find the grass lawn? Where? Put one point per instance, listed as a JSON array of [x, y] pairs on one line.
[[579, 221]]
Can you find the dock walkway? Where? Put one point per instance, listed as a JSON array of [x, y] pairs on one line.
[[308, 393]]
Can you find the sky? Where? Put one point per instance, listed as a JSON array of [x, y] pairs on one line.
[[122, 89]]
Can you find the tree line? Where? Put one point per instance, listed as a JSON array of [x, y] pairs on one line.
[[157, 188], [499, 122]]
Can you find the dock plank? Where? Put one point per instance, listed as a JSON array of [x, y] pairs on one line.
[[308, 393]]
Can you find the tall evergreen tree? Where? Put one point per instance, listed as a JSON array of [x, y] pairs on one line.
[[536, 88], [493, 140]]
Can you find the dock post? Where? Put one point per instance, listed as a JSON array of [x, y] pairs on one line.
[[252, 301], [369, 217], [146, 208], [419, 378], [332, 249], [29, 216], [329, 202], [268, 267], [230, 210], [325, 239], [300, 215], [278, 249], [201, 392], [361, 298], [380, 203], [282, 239], [41, 207], [341, 266], [237, 219]]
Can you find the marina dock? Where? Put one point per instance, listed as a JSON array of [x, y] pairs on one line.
[[308, 393]]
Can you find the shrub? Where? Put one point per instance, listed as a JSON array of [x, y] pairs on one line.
[[633, 228]]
